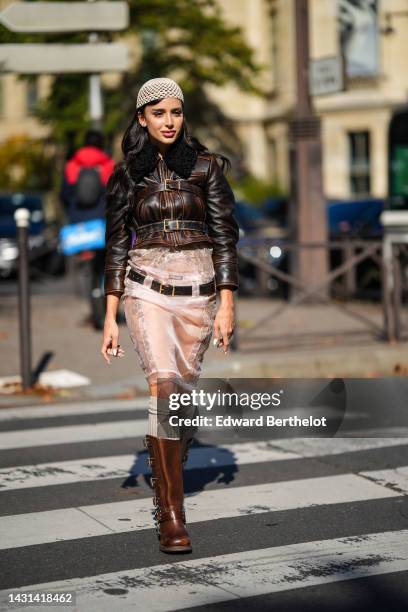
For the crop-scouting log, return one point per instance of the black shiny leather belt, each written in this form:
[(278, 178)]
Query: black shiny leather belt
[(171, 225), (204, 289)]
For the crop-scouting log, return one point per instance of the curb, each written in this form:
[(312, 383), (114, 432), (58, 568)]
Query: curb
[(367, 362)]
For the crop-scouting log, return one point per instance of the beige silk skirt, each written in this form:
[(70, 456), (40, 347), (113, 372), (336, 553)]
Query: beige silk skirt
[(170, 333)]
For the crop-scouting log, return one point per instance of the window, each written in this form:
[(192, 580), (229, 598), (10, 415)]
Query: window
[(272, 159), (359, 37), (359, 155), (32, 95)]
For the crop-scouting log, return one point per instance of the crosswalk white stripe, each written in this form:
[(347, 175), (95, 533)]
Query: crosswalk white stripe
[(73, 523), (238, 575), (72, 409), (98, 468), (68, 434), (64, 434), (245, 453), (315, 447), (396, 479)]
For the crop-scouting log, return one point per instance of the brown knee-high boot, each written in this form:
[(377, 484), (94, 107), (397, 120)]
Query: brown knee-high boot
[(167, 481)]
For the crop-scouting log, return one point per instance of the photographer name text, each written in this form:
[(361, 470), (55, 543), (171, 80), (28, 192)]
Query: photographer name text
[(259, 421)]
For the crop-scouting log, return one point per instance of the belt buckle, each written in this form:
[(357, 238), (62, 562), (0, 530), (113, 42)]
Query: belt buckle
[(178, 181), (173, 288), (169, 230)]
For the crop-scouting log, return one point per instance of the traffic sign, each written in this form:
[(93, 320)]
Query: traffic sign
[(60, 58), (326, 76), (65, 16)]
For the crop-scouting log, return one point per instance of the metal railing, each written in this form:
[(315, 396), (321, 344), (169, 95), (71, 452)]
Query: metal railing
[(354, 252)]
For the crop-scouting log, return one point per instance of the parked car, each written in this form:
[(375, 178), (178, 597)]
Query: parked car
[(358, 220), (256, 232), (355, 218), (42, 237), (264, 231)]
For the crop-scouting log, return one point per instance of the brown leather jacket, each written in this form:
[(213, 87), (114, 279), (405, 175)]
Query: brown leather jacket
[(203, 195)]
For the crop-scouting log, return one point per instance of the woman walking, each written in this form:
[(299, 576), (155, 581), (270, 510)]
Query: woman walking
[(171, 237)]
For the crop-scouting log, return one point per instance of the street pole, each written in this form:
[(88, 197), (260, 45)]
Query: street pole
[(307, 212), (22, 219), (95, 92)]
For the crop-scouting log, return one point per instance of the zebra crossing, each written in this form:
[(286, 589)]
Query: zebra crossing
[(267, 518)]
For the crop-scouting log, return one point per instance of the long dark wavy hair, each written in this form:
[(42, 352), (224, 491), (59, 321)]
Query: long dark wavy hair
[(135, 138)]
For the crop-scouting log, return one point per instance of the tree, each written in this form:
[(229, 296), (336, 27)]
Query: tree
[(184, 37)]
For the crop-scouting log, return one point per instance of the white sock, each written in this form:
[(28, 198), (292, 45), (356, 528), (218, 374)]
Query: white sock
[(158, 424)]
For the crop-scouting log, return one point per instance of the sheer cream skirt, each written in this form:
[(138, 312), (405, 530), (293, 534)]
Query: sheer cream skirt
[(169, 333)]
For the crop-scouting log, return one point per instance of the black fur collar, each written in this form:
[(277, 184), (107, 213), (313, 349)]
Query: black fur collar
[(180, 157)]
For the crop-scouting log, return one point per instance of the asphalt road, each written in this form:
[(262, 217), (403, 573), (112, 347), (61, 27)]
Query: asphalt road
[(276, 524)]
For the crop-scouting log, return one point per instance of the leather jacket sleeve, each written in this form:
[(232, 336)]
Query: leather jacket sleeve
[(118, 235), (223, 226)]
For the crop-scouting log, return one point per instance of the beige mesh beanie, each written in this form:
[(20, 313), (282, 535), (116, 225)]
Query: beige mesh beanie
[(155, 89)]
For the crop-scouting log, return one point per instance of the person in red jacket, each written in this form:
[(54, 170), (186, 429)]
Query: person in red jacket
[(83, 192), (87, 172)]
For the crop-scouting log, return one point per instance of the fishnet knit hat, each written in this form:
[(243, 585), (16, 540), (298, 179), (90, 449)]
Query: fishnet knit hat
[(155, 89)]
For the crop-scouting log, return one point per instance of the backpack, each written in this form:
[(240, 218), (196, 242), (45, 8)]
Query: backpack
[(89, 188)]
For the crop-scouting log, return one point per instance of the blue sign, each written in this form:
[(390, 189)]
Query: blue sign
[(83, 236)]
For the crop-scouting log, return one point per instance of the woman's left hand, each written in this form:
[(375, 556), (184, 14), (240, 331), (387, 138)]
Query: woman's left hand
[(224, 322)]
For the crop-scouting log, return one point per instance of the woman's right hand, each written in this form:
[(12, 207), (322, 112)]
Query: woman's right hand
[(110, 344)]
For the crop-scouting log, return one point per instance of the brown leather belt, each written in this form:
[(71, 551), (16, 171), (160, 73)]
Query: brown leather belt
[(171, 225), (204, 289), (170, 185)]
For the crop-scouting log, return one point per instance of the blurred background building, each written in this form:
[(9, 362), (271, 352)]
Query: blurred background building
[(241, 66), (370, 36)]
